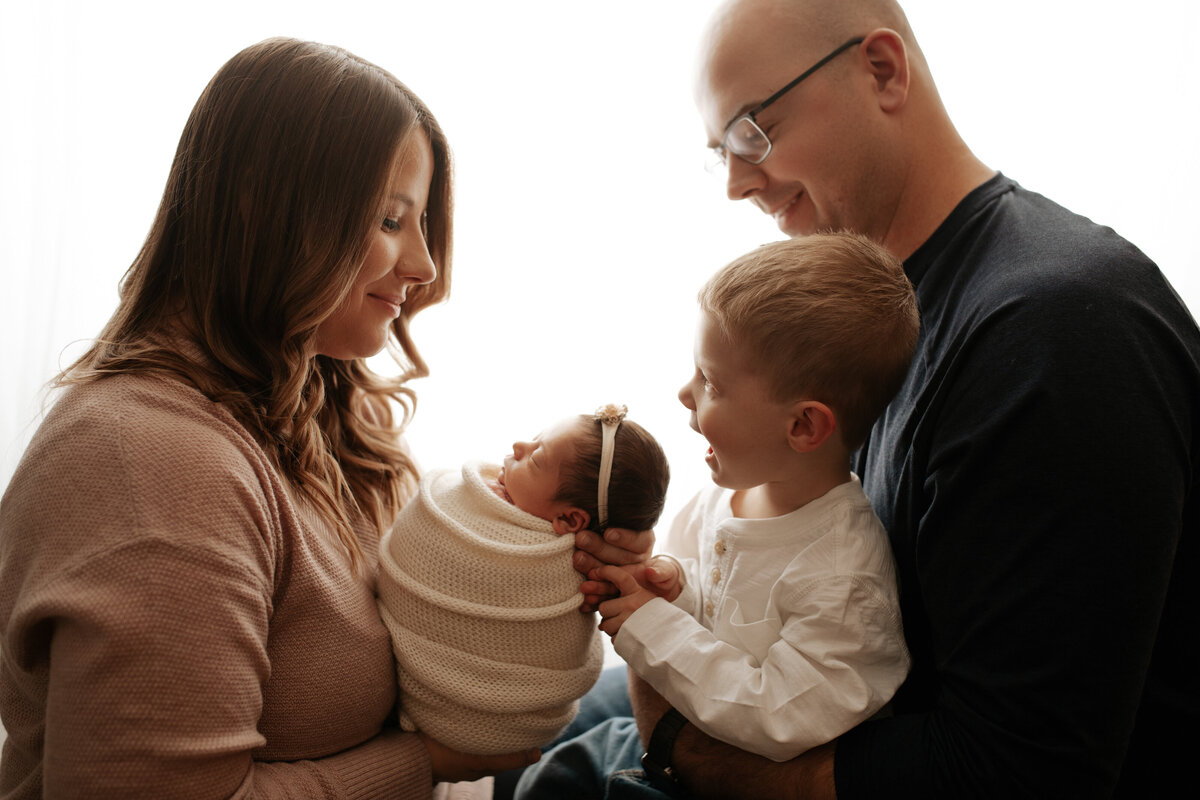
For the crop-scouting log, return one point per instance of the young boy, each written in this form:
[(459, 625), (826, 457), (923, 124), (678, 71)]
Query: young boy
[(778, 627)]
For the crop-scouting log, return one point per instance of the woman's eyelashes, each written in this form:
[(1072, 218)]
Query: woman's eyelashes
[(391, 224)]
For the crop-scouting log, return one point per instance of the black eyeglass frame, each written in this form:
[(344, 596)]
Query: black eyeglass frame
[(751, 115)]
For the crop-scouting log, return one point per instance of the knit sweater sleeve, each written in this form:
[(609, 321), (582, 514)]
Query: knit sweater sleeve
[(140, 562)]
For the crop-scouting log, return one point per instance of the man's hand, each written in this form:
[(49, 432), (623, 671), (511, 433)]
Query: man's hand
[(709, 769), (618, 546)]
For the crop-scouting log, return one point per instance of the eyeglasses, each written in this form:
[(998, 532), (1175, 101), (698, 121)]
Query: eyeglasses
[(744, 138)]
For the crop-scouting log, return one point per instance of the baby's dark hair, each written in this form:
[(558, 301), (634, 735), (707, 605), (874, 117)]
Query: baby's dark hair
[(637, 489)]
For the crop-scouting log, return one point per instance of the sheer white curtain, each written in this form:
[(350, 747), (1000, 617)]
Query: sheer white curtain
[(585, 221)]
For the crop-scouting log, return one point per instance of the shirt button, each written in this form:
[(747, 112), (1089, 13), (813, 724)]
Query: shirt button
[(709, 608), (719, 547), (716, 576)]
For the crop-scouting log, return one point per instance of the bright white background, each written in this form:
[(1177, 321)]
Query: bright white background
[(585, 220)]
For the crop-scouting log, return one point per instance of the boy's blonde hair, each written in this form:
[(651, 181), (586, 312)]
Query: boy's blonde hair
[(828, 317)]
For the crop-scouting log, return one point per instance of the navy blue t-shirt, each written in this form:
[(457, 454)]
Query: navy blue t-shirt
[(1038, 475)]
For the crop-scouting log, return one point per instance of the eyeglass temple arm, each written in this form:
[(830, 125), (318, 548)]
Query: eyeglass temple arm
[(807, 72)]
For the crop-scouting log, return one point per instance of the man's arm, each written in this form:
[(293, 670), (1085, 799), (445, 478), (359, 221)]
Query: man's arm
[(708, 768)]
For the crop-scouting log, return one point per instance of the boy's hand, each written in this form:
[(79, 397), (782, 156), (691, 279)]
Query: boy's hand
[(618, 546), (662, 576), (638, 585)]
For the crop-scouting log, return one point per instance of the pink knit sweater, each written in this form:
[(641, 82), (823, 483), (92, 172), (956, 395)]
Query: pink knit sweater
[(175, 624)]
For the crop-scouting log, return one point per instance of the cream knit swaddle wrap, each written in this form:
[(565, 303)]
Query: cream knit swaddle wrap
[(482, 604)]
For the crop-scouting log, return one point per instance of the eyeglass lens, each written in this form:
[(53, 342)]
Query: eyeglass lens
[(746, 140), (743, 139)]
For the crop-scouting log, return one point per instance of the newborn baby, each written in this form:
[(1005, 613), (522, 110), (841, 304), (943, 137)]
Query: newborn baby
[(477, 589)]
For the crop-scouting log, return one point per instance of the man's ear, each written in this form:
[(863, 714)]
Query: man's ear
[(813, 423), (572, 520), (888, 60)]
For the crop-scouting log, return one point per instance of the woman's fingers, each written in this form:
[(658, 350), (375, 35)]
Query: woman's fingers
[(617, 546)]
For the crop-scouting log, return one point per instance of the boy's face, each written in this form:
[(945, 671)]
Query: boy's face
[(532, 472), (731, 407)]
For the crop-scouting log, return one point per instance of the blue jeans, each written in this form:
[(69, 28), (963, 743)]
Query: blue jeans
[(598, 757)]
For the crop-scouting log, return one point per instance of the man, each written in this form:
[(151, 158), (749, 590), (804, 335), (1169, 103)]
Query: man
[(1037, 472)]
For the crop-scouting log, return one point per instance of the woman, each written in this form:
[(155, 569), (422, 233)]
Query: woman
[(188, 549)]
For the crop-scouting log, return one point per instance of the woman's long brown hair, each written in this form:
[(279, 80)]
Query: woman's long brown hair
[(278, 182)]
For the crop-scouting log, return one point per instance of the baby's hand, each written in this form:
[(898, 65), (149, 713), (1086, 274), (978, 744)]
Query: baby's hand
[(638, 585)]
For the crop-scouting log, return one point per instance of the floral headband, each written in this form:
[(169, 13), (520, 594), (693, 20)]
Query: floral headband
[(609, 417)]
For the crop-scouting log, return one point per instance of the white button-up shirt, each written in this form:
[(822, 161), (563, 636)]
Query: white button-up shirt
[(787, 633)]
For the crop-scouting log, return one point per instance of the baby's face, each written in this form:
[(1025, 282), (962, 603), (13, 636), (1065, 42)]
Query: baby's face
[(532, 473)]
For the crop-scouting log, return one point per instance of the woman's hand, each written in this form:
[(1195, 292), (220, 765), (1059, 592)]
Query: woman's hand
[(618, 546), (452, 766)]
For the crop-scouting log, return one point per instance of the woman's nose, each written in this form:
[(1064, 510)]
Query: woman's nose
[(418, 266)]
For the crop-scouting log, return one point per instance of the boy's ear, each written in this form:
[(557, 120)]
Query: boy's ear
[(572, 520), (813, 423)]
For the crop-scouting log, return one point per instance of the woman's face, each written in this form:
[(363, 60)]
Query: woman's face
[(398, 258)]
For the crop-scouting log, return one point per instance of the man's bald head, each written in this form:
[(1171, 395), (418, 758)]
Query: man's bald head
[(832, 19), (743, 32), (863, 144)]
